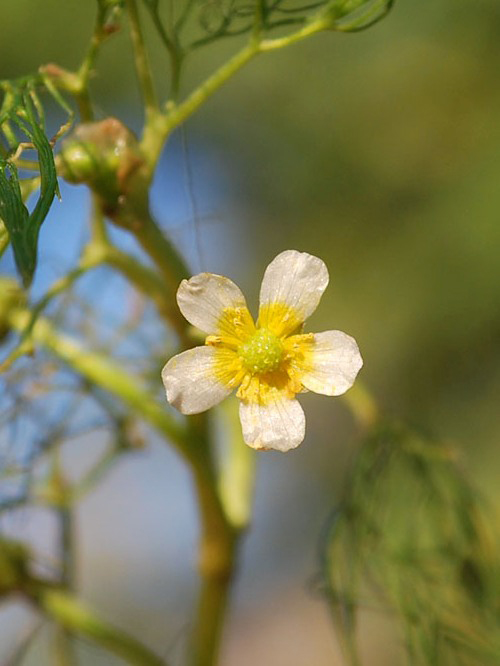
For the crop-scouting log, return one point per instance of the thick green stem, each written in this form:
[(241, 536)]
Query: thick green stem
[(133, 214), (212, 606), (97, 223), (216, 564), (161, 251)]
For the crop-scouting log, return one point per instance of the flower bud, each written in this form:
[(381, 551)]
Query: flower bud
[(104, 155)]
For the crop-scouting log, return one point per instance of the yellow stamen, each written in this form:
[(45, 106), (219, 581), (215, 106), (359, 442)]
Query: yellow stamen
[(280, 318)]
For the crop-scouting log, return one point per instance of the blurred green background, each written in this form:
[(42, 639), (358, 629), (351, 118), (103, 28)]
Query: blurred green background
[(380, 153)]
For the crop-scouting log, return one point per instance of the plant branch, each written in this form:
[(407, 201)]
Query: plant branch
[(223, 524), (176, 114), (216, 565), (181, 112)]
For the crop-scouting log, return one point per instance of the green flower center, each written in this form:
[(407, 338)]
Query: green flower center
[(262, 352)]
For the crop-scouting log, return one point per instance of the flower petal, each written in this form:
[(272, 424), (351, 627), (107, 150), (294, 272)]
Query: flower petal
[(331, 363), (206, 299), (279, 425), (192, 381), (291, 290)]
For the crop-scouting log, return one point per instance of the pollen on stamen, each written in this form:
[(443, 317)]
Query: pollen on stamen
[(262, 352)]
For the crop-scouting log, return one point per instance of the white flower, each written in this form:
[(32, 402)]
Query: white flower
[(270, 361)]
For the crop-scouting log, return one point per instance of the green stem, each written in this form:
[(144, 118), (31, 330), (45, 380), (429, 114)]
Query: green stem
[(149, 283), (133, 214), (162, 126), (178, 114), (217, 564), (84, 73), (172, 269), (320, 24), (218, 552), (98, 228), (75, 617), (142, 65), (211, 611), (160, 249), (157, 132)]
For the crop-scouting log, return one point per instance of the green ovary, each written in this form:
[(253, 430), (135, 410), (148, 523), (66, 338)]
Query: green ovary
[(262, 352)]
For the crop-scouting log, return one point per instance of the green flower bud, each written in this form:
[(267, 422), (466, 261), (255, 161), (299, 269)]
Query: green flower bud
[(104, 155)]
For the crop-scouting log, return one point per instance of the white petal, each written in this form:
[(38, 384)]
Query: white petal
[(295, 279), (332, 364), (191, 381), (279, 425), (203, 298)]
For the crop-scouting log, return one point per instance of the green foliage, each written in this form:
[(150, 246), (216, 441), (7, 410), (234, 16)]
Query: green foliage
[(211, 20), (22, 108), (411, 538), (356, 15)]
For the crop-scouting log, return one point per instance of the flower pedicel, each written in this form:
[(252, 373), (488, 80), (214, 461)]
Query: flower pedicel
[(270, 361)]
